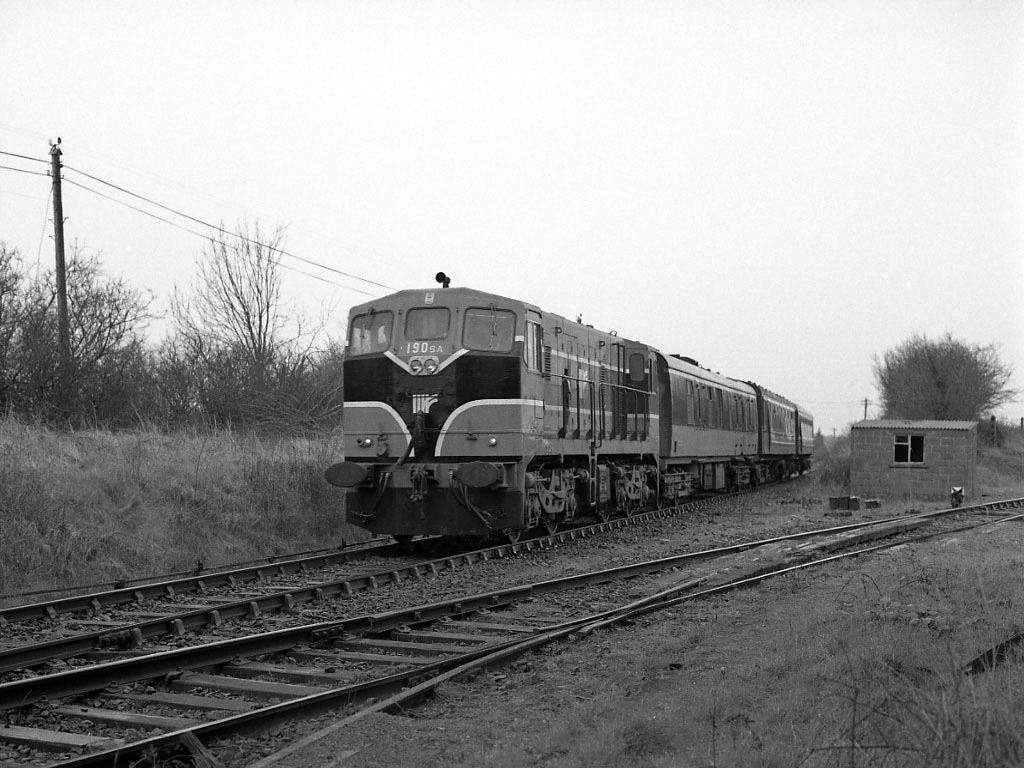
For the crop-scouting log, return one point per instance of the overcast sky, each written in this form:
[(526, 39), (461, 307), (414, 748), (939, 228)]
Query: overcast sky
[(781, 190)]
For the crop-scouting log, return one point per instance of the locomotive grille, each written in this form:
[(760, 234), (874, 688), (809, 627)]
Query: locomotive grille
[(422, 403)]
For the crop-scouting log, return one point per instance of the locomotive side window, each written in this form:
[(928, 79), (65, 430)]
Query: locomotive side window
[(370, 333), (691, 403), (637, 374), (488, 330), (533, 348), (425, 323)]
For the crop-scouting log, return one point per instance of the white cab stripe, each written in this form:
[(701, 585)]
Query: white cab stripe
[(387, 409), (520, 401)]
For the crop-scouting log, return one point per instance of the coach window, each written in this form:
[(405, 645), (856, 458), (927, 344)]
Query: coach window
[(370, 333), (488, 330), (533, 348), (427, 323), (908, 449)]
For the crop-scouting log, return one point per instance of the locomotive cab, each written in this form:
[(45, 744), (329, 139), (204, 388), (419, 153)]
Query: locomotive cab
[(432, 383)]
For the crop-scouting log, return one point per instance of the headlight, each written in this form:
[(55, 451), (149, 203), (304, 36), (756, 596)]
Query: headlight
[(416, 365), (430, 365)]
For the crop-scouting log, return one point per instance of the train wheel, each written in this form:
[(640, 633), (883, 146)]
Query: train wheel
[(550, 523), (603, 513), (513, 535)]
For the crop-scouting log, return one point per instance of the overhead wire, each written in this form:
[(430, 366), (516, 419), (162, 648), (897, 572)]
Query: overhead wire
[(196, 220), (176, 225), (23, 170), (24, 157), (222, 230)]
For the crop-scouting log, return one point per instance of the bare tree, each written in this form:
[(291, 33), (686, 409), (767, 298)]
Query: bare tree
[(240, 351), (236, 300), (10, 317), (107, 318), (943, 379)]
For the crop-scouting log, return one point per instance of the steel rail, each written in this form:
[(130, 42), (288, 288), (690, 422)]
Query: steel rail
[(256, 572), (89, 678), (133, 634), (180, 585), (410, 690), (175, 625)]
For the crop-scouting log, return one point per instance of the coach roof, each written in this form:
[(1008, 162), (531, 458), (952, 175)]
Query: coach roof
[(689, 367)]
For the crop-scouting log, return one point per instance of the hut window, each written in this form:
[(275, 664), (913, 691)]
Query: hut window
[(908, 449)]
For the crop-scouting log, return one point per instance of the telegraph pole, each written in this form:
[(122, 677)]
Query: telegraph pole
[(63, 332), (865, 409)]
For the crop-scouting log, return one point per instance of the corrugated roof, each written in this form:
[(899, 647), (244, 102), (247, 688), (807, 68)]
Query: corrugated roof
[(930, 424)]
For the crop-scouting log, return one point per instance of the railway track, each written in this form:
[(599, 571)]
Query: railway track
[(205, 693), (171, 610), (197, 583)]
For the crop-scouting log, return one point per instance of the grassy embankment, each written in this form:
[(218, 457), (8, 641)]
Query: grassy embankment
[(93, 506)]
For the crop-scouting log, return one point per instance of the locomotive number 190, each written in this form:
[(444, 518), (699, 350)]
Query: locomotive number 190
[(422, 348)]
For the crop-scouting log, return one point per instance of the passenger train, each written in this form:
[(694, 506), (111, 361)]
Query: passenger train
[(472, 414)]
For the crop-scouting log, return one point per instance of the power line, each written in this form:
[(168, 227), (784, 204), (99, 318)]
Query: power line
[(225, 231), (176, 225), (22, 170), (195, 220), (24, 157)]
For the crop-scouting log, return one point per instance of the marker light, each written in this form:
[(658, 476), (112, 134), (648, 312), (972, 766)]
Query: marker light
[(493, 441)]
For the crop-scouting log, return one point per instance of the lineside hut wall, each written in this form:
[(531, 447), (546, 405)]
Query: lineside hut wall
[(918, 459)]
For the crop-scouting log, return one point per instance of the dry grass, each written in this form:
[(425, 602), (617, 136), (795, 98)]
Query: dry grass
[(96, 506), (863, 670)]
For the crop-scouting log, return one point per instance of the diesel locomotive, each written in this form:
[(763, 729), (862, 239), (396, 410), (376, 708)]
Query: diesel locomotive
[(472, 414)]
